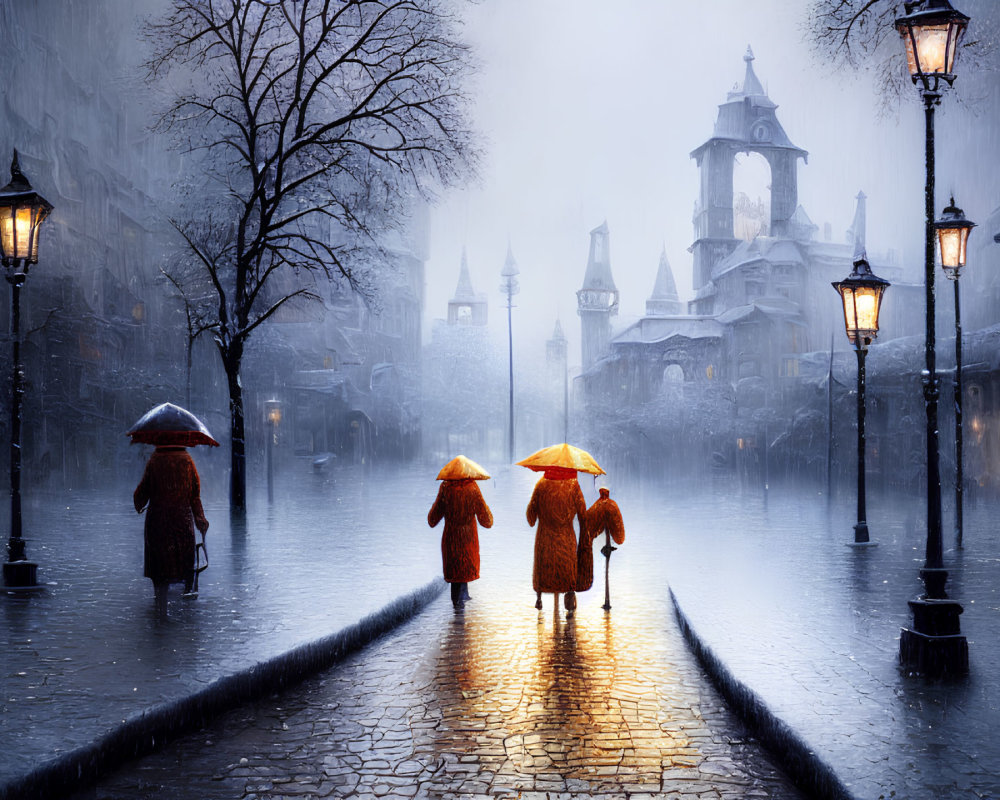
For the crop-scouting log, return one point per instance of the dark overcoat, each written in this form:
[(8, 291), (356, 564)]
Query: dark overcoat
[(603, 516), (460, 504), (171, 487), (554, 504)]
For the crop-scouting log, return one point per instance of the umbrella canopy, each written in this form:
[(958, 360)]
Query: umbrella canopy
[(170, 425), (460, 468), (562, 456)]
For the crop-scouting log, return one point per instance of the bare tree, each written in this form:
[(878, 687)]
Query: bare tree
[(313, 126), (861, 35)]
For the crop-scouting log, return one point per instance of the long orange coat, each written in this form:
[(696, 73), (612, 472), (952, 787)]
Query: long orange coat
[(171, 486), (603, 516), (460, 504), (554, 503)]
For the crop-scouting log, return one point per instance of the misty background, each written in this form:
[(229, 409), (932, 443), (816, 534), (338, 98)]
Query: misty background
[(584, 112), (591, 111)]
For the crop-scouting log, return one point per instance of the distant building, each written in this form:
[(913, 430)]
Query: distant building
[(762, 294), (467, 307)]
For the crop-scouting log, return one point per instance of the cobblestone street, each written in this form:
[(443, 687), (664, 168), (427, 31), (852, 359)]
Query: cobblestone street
[(500, 700)]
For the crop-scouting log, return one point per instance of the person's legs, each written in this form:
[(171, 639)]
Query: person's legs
[(538, 602), (569, 599), (456, 595), (465, 592), (160, 597)]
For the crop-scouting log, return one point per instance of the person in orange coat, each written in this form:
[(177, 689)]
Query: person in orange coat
[(603, 516), (460, 504), (171, 487), (556, 500)]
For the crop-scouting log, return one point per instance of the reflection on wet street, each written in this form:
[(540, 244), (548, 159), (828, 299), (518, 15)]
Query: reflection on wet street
[(500, 700)]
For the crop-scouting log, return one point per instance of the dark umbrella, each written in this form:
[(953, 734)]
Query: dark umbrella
[(169, 425)]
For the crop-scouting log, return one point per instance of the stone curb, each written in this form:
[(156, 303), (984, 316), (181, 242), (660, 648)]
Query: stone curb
[(144, 731), (809, 772)]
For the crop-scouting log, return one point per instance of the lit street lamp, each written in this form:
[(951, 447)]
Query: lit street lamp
[(510, 286), (272, 416), (861, 293), (953, 235), (22, 211), (934, 646)]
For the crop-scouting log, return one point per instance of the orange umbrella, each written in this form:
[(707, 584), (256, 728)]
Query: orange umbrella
[(461, 468), (563, 456)]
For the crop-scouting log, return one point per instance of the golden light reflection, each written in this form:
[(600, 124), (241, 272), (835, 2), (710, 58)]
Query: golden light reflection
[(542, 703)]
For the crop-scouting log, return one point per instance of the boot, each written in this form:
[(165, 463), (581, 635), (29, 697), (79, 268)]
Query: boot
[(569, 600), (457, 599), (538, 602)]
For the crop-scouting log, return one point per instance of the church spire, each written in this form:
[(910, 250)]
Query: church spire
[(466, 307), (664, 300), (751, 83), (856, 233), (464, 289)]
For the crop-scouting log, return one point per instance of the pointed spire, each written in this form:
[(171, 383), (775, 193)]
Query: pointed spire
[(856, 233), (557, 334), (751, 83), (464, 290), (510, 264), (664, 300)]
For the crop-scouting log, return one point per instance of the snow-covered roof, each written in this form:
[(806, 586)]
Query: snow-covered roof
[(650, 330)]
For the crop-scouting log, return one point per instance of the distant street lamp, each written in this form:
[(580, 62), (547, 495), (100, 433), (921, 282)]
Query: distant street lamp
[(931, 32), (272, 416), (953, 235), (510, 286), (861, 293), (22, 211)]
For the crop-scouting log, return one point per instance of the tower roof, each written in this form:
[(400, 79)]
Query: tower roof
[(748, 116), (598, 275), (557, 333), (856, 233), (510, 264), (664, 299), (464, 289), (665, 288), (751, 83)]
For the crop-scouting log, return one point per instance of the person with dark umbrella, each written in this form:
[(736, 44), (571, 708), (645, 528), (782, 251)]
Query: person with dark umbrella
[(170, 493)]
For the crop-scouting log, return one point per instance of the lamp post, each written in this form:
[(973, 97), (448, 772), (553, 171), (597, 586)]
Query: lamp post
[(272, 416), (861, 293), (953, 235), (509, 285), (22, 211), (934, 646)]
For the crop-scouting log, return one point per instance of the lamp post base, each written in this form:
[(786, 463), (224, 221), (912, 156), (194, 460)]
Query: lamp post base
[(21, 576), (935, 647), (861, 537)]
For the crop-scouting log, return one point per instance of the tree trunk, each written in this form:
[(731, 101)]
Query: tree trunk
[(232, 359)]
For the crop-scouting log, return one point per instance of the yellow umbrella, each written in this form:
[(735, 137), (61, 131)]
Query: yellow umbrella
[(460, 468), (564, 456)]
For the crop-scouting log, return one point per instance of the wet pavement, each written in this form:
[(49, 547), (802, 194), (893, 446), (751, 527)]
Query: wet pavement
[(497, 701), (805, 625)]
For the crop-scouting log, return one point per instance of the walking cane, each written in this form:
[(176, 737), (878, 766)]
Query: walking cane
[(607, 550), (200, 551)]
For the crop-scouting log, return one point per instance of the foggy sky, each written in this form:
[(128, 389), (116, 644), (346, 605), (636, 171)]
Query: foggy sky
[(590, 112)]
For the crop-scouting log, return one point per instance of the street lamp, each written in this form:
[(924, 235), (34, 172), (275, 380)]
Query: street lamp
[(931, 31), (510, 286), (272, 416), (22, 211), (953, 236), (861, 293)]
